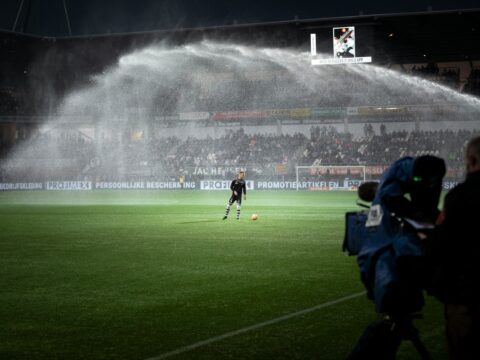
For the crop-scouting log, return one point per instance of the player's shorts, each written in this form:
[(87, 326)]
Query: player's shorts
[(237, 198)]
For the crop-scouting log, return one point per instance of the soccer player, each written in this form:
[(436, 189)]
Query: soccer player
[(237, 186)]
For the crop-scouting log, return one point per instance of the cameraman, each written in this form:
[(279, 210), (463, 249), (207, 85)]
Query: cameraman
[(453, 249), (391, 261)]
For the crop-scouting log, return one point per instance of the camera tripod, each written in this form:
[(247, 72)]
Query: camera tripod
[(403, 327), (382, 338)]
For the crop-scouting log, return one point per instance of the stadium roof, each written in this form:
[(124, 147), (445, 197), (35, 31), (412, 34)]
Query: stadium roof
[(64, 18)]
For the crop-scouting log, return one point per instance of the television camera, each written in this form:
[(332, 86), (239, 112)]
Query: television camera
[(384, 237)]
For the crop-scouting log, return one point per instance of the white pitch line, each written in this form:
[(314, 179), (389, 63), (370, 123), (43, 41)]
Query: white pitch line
[(254, 327)]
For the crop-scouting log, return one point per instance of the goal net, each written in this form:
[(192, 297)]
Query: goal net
[(330, 177)]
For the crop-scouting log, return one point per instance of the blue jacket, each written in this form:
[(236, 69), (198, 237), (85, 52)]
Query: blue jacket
[(391, 257)]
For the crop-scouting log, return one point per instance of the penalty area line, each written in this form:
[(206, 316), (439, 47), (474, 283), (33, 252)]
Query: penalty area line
[(254, 327)]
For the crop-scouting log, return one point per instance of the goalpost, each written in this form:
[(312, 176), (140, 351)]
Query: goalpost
[(355, 172)]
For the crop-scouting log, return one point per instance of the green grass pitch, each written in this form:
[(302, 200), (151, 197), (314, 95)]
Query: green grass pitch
[(136, 274)]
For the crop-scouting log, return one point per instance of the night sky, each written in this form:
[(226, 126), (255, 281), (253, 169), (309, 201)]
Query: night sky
[(47, 17)]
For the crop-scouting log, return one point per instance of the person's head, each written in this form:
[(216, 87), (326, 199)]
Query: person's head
[(428, 170), (472, 155), (241, 175), (426, 182)]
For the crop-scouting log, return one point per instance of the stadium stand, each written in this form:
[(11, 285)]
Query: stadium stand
[(166, 158)]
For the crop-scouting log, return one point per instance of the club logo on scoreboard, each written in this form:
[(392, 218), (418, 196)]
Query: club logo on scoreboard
[(344, 48), (344, 42)]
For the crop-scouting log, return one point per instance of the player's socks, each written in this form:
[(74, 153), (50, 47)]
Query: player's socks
[(238, 212), (227, 211)]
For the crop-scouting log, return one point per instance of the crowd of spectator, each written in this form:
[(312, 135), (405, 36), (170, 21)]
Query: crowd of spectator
[(73, 156), (329, 147)]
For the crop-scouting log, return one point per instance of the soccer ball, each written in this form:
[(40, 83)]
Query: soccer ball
[(254, 217)]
